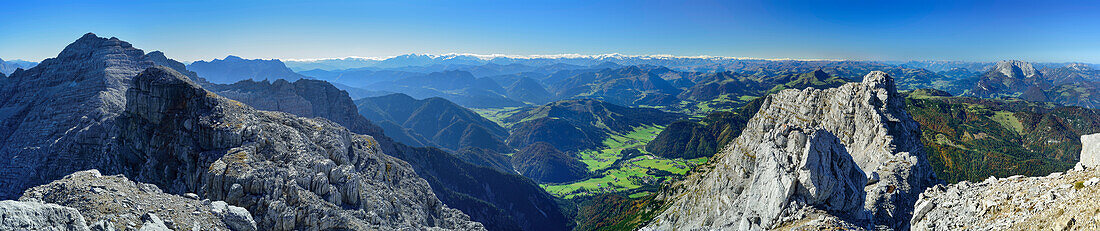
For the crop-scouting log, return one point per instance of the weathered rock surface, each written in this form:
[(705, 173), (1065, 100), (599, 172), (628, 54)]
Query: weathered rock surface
[(57, 117), (122, 202), (759, 186), (867, 119), (22, 215), (1060, 201), (278, 166), (1090, 151), (90, 108)]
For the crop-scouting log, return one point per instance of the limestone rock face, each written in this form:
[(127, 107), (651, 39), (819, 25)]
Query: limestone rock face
[(290, 172), (56, 118), (304, 97), (758, 186), (868, 120), (1090, 151), (22, 215), (1060, 201)]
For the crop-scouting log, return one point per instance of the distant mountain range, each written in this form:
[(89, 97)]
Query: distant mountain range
[(433, 122), (9, 66), (233, 69), (574, 125)]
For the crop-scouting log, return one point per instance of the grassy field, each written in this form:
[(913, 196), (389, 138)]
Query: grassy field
[(628, 174), (496, 115), (1008, 120), (724, 102)]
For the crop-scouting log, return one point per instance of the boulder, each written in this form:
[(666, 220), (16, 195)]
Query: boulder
[(1090, 151), (24, 215)]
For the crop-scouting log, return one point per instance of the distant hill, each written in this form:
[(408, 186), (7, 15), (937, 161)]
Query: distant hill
[(7, 67), (689, 139), (971, 139), (358, 77), (573, 125), (816, 79), (456, 86), (544, 163), (528, 90), (440, 122), (711, 86), (1072, 73), (233, 69), (487, 158), (630, 86)]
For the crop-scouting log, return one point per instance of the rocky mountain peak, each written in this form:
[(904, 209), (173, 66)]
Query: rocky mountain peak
[(872, 128), (820, 74), (1017, 69), (58, 113), (1079, 66)]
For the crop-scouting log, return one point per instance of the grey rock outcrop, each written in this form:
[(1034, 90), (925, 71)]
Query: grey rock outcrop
[(278, 166), (759, 186), (22, 215), (868, 120), (1090, 151), (1060, 201), (122, 202), (90, 109), (153, 223), (236, 218)]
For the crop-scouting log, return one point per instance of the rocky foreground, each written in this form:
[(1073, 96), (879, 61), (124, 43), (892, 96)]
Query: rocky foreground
[(1060, 201), (115, 202)]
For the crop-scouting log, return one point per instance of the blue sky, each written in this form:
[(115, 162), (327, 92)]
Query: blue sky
[(1043, 31)]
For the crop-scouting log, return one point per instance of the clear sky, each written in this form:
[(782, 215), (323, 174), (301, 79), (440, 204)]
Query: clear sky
[(865, 30)]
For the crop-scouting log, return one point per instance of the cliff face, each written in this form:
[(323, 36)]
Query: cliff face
[(304, 97), (56, 118), (861, 125), (1060, 201), (280, 167), (90, 108), (1010, 78)]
